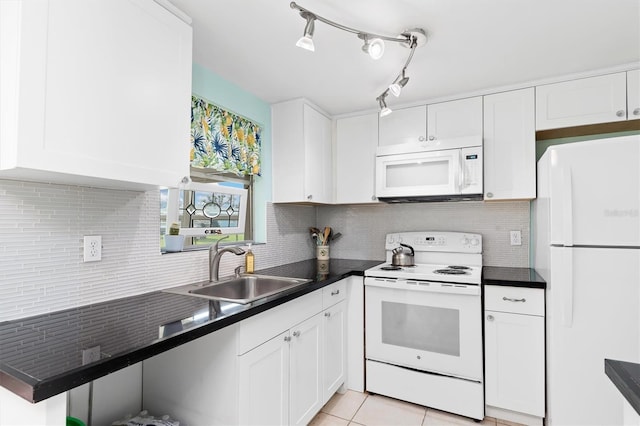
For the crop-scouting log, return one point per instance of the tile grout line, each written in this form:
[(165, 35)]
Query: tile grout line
[(359, 407)]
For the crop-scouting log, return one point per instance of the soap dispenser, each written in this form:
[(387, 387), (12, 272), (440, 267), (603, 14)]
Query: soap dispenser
[(249, 261)]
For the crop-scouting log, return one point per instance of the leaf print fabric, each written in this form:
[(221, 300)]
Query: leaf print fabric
[(223, 141)]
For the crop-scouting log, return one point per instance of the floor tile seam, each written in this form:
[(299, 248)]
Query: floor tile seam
[(359, 408)]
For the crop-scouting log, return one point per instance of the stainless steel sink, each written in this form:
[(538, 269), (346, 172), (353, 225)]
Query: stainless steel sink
[(244, 289)]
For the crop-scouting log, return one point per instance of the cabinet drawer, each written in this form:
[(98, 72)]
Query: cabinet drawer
[(529, 301), (259, 328), (334, 293)]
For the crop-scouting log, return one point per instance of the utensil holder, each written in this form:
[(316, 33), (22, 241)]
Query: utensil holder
[(322, 252)]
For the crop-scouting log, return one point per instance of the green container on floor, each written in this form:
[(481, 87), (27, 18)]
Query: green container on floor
[(72, 421)]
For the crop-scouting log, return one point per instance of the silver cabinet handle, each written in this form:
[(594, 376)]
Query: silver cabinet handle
[(490, 318), (333, 293), (309, 197), (373, 198), (421, 138), (296, 334), (508, 299), (287, 338), (327, 314), (620, 113), (636, 111), (489, 194), (432, 138)]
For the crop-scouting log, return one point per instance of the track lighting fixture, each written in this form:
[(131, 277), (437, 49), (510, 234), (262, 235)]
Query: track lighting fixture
[(373, 45), (306, 41)]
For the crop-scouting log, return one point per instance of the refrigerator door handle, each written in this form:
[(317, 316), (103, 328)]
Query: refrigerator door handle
[(567, 213), (567, 300)]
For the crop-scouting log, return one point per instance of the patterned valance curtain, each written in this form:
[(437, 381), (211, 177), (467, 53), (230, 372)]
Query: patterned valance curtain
[(223, 141)]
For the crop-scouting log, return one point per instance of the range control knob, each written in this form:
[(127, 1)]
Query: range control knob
[(475, 242), (465, 241)]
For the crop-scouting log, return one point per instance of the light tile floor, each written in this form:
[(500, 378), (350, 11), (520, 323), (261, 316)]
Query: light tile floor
[(355, 408)]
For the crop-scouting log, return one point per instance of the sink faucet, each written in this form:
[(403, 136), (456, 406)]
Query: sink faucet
[(215, 255)]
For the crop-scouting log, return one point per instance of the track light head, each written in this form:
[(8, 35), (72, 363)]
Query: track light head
[(396, 87), (384, 109), (306, 41), (374, 47)]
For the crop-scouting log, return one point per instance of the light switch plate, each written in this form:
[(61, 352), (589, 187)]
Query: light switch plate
[(92, 248)]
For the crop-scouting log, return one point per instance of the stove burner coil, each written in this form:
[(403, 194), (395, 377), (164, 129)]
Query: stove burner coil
[(390, 268)]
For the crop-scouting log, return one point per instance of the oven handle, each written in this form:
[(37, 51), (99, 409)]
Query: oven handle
[(423, 286)]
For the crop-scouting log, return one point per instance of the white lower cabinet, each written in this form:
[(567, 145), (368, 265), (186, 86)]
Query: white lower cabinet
[(264, 383), (280, 381), (334, 344), (515, 351), (305, 371)]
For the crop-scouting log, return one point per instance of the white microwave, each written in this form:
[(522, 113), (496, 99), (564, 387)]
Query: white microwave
[(450, 171)]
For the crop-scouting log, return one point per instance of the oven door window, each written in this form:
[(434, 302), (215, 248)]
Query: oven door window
[(427, 328)]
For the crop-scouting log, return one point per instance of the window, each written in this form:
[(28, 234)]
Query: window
[(225, 150), (206, 212)]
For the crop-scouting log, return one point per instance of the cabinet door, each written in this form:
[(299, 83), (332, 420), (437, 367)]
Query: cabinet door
[(510, 145), (334, 349), (318, 182), (633, 95), (264, 383), (514, 362), (455, 119), (99, 103), (408, 125), (356, 143), (306, 368), (578, 102)]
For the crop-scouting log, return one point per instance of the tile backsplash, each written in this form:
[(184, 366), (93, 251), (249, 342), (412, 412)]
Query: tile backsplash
[(42, 228)]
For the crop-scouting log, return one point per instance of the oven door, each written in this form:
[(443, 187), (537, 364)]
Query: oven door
[(429, 326)]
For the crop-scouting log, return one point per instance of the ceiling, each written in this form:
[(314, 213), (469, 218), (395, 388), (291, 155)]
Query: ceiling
[(472, 46)]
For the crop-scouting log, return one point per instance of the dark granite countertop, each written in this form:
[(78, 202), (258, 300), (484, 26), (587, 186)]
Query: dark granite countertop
[(41, 356), (515, 277), (626, 377)]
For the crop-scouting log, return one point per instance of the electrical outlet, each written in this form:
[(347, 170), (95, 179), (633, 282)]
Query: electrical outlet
[(516, 238), (92, 248), (90, 355)]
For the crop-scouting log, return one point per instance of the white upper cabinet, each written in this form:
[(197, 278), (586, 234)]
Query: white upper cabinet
[(356, 143), (408, 125), (591, 100), (302, 163), (509, 145), (633, 95), (454, 119), (94, 93)]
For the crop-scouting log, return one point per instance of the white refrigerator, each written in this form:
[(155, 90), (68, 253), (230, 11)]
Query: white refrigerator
[(587, 248)]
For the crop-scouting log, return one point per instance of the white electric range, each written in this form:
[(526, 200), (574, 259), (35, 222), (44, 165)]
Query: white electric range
[(424, 323)]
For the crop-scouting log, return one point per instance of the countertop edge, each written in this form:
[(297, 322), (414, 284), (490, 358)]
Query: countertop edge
[(624, 381)]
